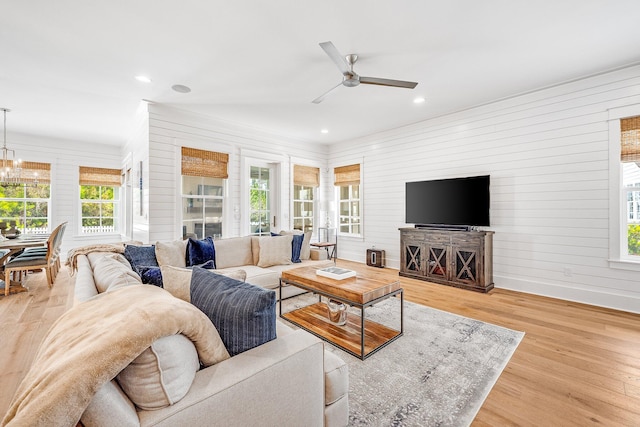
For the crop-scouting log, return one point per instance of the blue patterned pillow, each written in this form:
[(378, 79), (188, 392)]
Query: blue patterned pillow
[(200, 251), (243, 314), (141, 255), (150, 275), (296, 246)]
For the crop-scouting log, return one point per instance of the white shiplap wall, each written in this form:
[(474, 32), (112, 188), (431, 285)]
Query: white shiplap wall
[(65, 158), (170, 129), (547, 154)]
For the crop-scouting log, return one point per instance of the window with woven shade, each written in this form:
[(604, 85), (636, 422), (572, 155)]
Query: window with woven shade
[(306, 179), (347, 182), (204, 175), (99, 199), (630, 162), (26, 201)]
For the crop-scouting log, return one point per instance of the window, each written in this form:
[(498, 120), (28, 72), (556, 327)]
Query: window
[(25, 205), (347, 181), (630, 167), (305, 181), (204, 175), (260, 199), (99, 200)]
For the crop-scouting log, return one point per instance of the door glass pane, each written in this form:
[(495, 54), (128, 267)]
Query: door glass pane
[(259, 201)]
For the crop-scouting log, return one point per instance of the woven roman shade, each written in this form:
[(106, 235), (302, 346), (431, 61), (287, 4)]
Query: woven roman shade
[(347, 175), (30, 169), (630, 139), (204, 163), (306, 175), (100, 176)]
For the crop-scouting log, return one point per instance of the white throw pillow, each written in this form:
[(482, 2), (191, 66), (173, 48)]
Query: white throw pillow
[(177, 281), (233, 252), (275, 250), (172, 253), (162, 374), (110, 273)]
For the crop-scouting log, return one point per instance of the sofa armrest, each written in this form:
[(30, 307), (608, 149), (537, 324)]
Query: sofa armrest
[(278, 383)]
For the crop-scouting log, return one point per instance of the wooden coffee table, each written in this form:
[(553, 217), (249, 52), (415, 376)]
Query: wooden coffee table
[(359, 337)]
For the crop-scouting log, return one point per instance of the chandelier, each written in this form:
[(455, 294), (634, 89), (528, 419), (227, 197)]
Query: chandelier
[(10, 168)]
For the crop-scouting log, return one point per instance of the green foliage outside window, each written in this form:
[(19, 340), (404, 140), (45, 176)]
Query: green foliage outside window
[(27, 205), (633, 238), (98, 206)]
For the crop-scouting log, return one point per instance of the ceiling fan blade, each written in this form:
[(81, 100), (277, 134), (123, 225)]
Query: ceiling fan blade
[(387, 82), (336, 57), (319, 99)]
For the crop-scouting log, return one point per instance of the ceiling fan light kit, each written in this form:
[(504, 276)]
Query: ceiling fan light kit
[(350, 78)]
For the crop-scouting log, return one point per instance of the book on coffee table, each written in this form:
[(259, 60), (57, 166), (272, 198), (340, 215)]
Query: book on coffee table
[(336, 273)]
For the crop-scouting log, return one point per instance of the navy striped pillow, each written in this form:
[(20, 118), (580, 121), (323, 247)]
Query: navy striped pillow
[(243, 314)]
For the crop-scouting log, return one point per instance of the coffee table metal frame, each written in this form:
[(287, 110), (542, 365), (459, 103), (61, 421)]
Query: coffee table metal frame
[(320, 294)]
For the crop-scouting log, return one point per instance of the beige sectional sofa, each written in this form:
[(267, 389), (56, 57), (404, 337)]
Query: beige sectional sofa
[(248, 253), (289, 381)]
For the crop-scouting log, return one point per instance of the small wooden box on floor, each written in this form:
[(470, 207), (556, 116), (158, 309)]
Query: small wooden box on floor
[(375, 258)]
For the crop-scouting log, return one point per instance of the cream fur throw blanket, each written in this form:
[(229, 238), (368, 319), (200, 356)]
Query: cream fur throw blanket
[(91, 343)]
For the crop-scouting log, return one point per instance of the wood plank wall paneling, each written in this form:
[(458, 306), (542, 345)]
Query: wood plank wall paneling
[(547, 154), (170, 129), (65, 158)]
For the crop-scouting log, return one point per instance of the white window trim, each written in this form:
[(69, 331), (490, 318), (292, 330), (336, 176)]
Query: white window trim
[(617, 259), (318, 199), (336, 214), (117, 213)]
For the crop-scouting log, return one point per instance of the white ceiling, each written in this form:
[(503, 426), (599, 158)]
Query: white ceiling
[(67, 66)]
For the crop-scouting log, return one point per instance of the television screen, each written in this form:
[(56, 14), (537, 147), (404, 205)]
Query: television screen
[(456, 202)]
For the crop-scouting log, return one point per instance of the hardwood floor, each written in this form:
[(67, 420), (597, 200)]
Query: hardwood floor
[(577, 364)]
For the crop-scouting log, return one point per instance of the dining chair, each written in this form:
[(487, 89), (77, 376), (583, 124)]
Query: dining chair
[(49, 260)]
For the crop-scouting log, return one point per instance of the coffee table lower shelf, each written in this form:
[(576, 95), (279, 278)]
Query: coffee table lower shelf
[(313, 319)]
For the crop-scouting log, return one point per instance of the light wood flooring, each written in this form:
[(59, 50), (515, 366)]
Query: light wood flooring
[(577, 365)]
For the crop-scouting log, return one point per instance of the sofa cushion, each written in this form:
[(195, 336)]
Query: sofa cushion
[(233, 252), (162, 374), (109, 274), (243, 314), (336, 378), (296, 246), (172, 253), (200, 251), (275, 250), (150, 275), (141, 256), (177, 281), (305, 250)]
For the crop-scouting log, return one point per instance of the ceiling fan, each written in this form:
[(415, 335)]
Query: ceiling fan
[(350, 78)]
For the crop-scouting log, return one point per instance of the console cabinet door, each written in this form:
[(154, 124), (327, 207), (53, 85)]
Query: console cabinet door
[(438, 261), (412, 257), (465, 265)]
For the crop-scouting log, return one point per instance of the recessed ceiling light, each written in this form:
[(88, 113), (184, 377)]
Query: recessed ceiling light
[(181, 88), (419, 100), (324, 131), (143, 79)]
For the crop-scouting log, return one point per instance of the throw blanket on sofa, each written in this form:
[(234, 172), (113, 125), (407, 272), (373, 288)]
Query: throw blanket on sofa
[(91, 343), (72, 255)]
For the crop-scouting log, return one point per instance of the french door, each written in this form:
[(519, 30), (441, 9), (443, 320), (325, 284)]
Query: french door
[(262, 199)]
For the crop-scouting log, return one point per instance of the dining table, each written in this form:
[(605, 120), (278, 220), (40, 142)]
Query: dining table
[(9, 247)]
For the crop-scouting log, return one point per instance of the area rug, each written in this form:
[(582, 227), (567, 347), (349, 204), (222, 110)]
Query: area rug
[(437, 374)]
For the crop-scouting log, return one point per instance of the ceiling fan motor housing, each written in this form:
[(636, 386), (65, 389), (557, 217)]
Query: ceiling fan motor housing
[(351, 80)]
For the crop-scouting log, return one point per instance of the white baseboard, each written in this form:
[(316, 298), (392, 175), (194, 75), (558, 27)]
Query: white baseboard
[(569, 293)]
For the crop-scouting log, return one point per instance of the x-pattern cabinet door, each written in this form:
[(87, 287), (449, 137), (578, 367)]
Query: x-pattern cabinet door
[(413, 257), (465, 265), (437, 261)]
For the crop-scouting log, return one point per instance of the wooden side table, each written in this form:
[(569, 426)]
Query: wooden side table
[(329, 247)]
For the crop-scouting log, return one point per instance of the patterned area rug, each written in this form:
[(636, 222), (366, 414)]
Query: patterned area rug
[(437, 374)]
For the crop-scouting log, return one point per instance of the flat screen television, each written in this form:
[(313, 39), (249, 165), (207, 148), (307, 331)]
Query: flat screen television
[(457, 202)]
